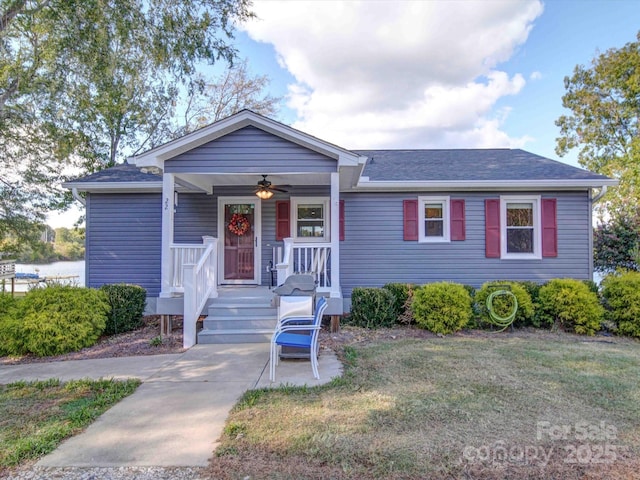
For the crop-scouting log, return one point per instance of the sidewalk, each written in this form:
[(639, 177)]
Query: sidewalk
[(176, 416)]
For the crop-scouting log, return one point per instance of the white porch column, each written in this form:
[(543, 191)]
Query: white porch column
[(166, 268), (335, 235)]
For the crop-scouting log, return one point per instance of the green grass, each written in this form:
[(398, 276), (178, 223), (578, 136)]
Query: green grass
[(409, 408), (36, 416)]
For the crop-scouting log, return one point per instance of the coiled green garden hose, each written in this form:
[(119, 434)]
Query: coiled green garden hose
[(496, 319)]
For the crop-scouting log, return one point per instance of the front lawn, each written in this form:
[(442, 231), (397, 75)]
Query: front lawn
[(36, 416), (493, 406)]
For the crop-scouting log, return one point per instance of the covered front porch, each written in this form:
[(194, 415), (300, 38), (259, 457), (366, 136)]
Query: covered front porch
[(248, 202)]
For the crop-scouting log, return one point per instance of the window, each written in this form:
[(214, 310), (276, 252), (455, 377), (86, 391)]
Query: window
[(520, 232), (310, 219), (434, 219)]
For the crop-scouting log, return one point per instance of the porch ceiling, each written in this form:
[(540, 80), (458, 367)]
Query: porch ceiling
[(207, 181)]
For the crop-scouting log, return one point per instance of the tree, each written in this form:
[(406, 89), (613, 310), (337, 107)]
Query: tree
[(604, 101), (222, 96), (616, 243), (82, 81)]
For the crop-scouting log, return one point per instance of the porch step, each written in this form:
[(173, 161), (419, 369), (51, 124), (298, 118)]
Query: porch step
[(246, 320)]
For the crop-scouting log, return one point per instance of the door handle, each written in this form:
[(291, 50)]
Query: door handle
[(256, 242)]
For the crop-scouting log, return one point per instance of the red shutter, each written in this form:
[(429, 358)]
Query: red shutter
[(458, 230), (549, 228), (492, 228), (341, 220), (283, 229), (410, 210)]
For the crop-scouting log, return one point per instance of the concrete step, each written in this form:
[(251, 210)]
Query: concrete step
[(246, 310), (239, 322), (235, 336)]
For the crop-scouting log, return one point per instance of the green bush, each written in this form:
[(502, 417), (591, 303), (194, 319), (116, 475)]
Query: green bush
[(622, 296), (10, 339), (571, 304), (401, 292), (503, 305), (127, 306), (56, 320), (533, 289), (372, 308), (442, 307)]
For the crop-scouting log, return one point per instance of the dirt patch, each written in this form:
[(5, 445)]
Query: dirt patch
[(349, 335), (144, 341)]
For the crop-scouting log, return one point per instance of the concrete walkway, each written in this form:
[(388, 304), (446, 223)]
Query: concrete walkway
[(176, 416)]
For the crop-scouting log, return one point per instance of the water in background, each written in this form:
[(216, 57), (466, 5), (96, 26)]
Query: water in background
[(56, 269)]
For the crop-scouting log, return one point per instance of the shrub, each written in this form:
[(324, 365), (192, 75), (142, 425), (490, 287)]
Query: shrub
[(533, 289), (127, 306), (372, 308), (442, 307), (622, 296), (401, 292), (57, 320), (503, 305), (10, 339), (571, 304)]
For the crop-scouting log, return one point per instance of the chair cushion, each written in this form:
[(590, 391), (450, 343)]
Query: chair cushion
[(293, 340)]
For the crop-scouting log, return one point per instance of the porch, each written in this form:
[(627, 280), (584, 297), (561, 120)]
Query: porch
[(237, 313)]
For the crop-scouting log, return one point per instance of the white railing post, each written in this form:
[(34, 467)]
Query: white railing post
[(285, 268), (212, 274), (190, 300)]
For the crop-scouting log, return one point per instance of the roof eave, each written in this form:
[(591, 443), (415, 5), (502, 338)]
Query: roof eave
[(367, 185), (113, 187)]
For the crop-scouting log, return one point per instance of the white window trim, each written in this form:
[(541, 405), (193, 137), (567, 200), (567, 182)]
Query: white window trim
[(326, 202), (446, 220), (537, 227)]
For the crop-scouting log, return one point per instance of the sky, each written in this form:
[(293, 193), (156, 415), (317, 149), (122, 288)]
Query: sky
[(376, 74)]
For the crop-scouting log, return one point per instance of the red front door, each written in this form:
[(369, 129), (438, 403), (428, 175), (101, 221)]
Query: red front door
[(239, 241)]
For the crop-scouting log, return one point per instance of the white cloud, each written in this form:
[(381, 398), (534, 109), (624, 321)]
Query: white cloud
[(373, 74), (535, 76)]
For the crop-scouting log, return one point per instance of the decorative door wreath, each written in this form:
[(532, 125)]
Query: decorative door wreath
[(239, 224)]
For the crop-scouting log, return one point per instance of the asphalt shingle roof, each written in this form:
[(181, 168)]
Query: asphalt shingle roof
[(467, 165), (120, 173), (420, 165)]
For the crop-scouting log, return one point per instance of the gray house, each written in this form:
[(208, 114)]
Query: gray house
[(248, 200)]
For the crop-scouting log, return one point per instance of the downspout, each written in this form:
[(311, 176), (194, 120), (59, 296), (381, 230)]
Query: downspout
[(602, 193), (76, 195)]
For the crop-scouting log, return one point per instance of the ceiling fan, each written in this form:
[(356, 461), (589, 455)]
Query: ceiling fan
[(265, 190)]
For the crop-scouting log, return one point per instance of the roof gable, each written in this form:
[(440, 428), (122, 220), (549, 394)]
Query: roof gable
[(157, 156)]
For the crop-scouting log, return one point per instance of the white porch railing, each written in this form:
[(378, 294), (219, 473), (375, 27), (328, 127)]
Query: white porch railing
[(200, 284), (181, 255), (309, 258)]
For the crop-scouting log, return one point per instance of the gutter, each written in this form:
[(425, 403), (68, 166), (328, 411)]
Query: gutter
[(366, 185)]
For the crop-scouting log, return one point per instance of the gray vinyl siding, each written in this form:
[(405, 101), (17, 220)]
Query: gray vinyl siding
[(250, 150), (123, 240), (195, 216), (375, 253)]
